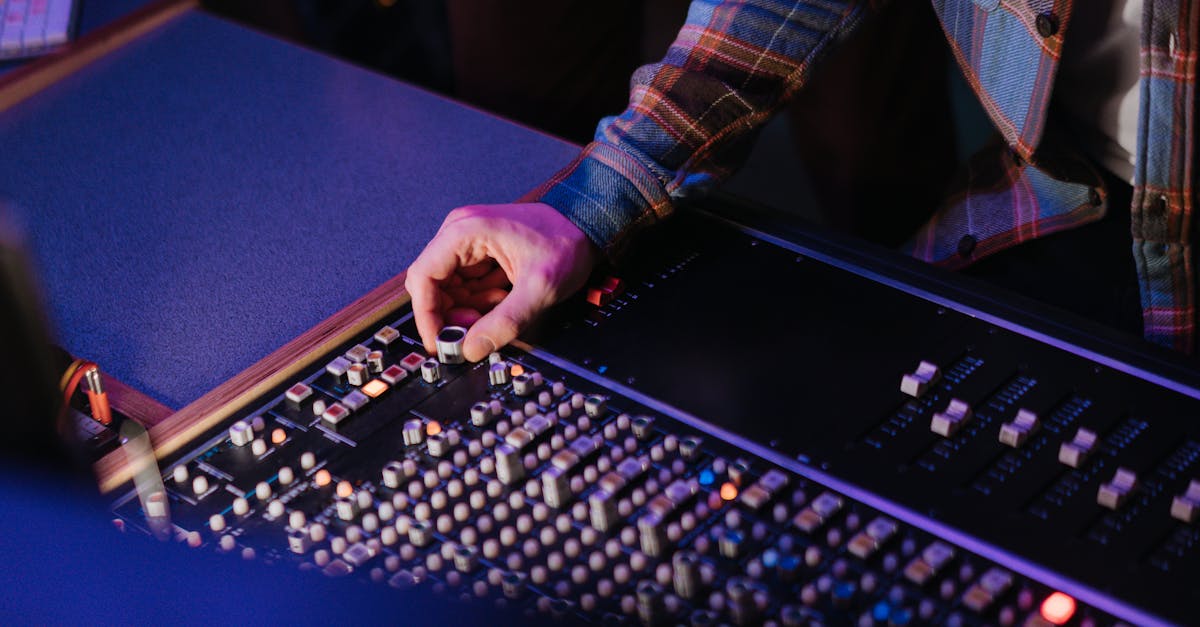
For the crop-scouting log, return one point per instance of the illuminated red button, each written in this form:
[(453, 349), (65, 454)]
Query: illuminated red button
[(599, 297), (336, 413), (394, 374), (1058, 608), (412, 362), (605, 291), (613, 285)]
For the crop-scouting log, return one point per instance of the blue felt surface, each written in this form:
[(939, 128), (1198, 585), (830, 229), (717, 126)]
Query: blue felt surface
[(208, 193)]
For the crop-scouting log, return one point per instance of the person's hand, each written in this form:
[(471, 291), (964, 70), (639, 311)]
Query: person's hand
[(494, 268)]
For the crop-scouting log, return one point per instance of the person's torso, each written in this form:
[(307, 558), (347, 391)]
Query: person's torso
[(1037, 181)]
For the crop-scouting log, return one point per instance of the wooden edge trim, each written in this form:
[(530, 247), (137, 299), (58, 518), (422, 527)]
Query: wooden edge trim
[(40, 74), (280, 366), (143, 409)]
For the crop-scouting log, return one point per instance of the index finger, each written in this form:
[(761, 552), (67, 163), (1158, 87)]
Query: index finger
[(444, 255), (426, 305), (435, 264)]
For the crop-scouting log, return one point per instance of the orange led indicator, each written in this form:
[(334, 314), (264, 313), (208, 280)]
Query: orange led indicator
[(322, 478), (728, 491), (517, 370), (344, 489), (374, 388), (1058, 608), (278, 436), (433, 428)]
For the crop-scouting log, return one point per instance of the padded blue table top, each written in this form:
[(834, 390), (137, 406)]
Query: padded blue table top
[(206, 194)]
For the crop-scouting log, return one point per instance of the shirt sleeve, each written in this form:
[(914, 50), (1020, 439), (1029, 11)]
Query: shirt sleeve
[(731, 66)]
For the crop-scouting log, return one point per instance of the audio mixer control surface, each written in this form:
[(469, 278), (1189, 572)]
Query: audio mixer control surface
[(683, 445)]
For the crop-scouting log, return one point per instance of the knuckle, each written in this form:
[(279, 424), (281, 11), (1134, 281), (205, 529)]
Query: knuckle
[(413, 290), (454, 232), (416, 275), (410, 280), (464, 212)]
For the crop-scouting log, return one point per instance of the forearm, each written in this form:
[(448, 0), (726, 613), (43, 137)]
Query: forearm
[(731, 66)]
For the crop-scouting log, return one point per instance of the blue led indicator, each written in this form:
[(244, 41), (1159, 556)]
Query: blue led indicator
[(707, 477)]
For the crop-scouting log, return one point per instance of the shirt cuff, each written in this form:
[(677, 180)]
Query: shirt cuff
[(608, 194)]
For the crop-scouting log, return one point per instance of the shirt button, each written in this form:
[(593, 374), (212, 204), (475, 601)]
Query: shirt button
[(1047, 24), (966, 246)]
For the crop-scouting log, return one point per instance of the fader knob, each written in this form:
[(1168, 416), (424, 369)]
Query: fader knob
[(1186, 506), (498, 373), (393, 474), (413, 433), (1115, 493), (241, 433), (595, 406), (523, 384), (685, 574), (375, 361), (741, 603), (481, 414), (466, 558), (730, 543), (431, 371), (947, 423), (450, 345), (299, 541), (650, 602), (347, 507)]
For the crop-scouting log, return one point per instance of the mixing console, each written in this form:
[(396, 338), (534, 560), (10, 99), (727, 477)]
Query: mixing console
[(685, 446)]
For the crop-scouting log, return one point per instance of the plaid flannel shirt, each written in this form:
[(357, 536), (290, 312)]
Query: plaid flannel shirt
[(735, 62)]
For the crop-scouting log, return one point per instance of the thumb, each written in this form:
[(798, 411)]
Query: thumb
[(502, 324)]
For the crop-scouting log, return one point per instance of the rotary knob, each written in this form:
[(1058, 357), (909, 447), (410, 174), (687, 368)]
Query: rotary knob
[(450, 345)]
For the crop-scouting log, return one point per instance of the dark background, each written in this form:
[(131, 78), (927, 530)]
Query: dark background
[(868, 148)]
